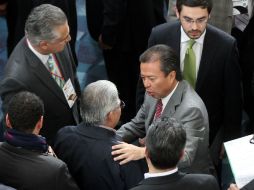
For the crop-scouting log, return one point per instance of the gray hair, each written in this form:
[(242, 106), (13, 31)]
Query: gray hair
[(97, 100), (42, 21)]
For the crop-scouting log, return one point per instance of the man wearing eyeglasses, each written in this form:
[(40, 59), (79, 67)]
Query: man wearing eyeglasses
[(212, 67)]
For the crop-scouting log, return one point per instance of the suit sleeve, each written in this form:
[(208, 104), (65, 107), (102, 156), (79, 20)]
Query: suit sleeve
[(64, 180), (194, 125), (113, 14), (9, 87), (136, 127), (233, 96)]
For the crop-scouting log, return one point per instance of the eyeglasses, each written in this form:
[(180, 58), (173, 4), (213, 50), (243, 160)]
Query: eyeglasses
[(199, 22), (122, 104)]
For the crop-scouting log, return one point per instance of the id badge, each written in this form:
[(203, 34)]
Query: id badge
[(69, 93)]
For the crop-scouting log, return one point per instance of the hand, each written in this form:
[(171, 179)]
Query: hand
[(102, 45), (127, 152), (233, 187)]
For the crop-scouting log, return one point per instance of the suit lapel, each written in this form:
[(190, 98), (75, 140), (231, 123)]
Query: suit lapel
[(206, 58), (174, 101), (40, 72)]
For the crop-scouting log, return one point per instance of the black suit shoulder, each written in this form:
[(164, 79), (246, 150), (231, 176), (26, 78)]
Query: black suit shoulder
[(178, 181)]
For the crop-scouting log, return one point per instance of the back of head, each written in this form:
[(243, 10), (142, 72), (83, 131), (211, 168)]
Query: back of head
[(42, 21), (97, 100), (169, 60), (165, 142), (25, 110), (194, 3)]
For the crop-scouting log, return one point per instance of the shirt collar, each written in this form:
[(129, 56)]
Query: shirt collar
[(166, 99), (185, 38), (148, 175), (43, 58), (108, 128)]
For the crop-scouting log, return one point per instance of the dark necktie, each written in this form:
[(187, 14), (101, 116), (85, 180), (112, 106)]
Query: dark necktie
[(158, 111), (189, 70)]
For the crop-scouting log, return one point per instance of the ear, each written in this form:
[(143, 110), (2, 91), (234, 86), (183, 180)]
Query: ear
[(181, 155), (7, 120), (177, 13), (146, 153), (39, 124), (172, 76)]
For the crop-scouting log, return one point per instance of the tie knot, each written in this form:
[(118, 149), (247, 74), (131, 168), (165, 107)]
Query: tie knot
[(191, 42)]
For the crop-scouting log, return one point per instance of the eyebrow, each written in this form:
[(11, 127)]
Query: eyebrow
[(186, 17)]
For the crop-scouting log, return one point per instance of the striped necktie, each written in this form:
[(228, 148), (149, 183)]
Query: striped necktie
[(158, 111), (189, 70), (54, 71)]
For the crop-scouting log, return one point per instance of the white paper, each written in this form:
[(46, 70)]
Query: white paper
[(241, 157)]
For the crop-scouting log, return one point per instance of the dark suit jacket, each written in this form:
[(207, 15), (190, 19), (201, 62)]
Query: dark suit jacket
[(249, 186), (124, 24), (178, 181), (187, 107), (246, 46), (25, 169), (87, 152), (218, 82), (24, 71)]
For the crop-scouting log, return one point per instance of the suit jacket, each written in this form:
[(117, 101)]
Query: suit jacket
[(186, 106), (25, 169), (89, 158), (24, 71), (222, 15), (124, 25), (178, 181), (249, 186), (218, 81)]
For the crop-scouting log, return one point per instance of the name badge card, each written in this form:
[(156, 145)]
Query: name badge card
[(69, 93)]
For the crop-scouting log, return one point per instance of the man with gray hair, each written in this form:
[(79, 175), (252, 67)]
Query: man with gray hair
[(165, 142), (86, 148), (42, 63)]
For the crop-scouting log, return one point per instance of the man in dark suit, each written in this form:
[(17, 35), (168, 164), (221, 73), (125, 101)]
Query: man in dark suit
[(26, 161), (86, 148), (122, 29), (165, 142), (217, 72), (42, 63), (164, 86)]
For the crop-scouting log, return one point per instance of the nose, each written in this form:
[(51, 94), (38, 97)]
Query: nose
[(194, 25), (146, 83)]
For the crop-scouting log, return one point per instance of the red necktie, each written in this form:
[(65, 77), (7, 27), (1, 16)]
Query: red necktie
[(158, 109)]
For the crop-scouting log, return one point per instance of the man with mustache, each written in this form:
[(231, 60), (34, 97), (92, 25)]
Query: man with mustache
[(215, 75)]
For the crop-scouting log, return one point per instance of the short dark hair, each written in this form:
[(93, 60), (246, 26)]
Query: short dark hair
[(169, 60), (25, 110), (165, 141), (205, 4)]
